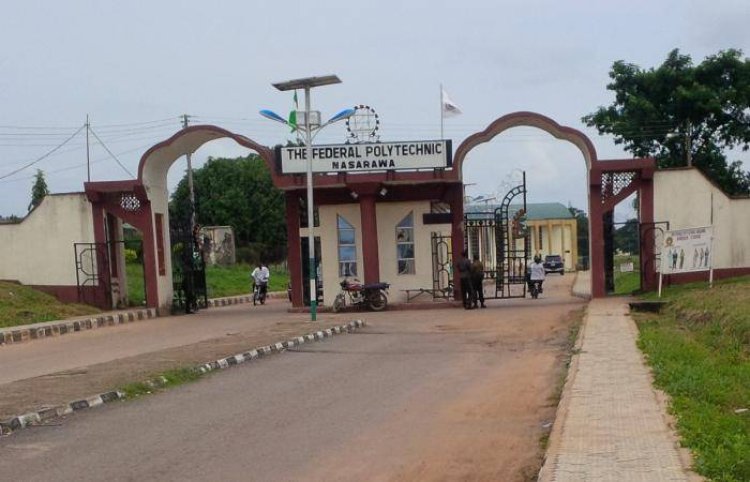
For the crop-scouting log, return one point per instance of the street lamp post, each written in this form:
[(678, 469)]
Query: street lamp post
[(306, 84)]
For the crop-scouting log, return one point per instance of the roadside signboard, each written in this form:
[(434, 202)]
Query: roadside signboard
[(687, 250)]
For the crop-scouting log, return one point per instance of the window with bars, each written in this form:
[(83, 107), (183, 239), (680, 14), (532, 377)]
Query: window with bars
[(405, 245), (347, 247)]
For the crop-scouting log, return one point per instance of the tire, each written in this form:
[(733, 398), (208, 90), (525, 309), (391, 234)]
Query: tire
[(562, 273), (338, 303), (378, 301), (255, 298)]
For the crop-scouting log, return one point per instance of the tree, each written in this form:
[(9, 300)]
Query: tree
[(582, 234), (39, 190), (682, 114), (626, 237), (238, 193)]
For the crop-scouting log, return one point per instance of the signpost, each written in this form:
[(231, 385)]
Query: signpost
[(686, 251)]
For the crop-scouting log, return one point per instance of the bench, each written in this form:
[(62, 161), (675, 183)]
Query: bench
[(443, 293)]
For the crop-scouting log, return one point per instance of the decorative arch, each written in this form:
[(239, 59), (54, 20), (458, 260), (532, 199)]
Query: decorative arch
[(525, 119), (156, 161), (143, 203), (608, 183)]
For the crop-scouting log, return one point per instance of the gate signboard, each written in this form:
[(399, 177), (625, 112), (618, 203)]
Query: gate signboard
[(381, 156), (687, 250)]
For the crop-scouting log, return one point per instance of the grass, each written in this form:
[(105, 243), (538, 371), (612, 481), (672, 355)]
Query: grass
[(21, 305), (235, 280), (699, 351), (136, 287), (170, 378), (220, 280), (629, 281)]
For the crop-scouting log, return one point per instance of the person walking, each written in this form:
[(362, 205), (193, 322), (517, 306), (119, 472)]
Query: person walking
[(464, 272), (477, 278)]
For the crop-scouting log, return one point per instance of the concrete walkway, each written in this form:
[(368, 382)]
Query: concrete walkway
[(610, 424)]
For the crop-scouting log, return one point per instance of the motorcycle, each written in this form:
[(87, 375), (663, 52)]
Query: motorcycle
[(259, 293), (535, 287), (372, 296)]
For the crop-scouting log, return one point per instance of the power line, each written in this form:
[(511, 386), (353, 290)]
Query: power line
[(49, 153), (110, 152)]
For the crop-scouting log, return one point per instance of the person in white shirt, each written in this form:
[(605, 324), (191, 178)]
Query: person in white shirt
[(536, 272), (260, 276)]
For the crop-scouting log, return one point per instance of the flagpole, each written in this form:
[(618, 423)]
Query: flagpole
[(441, 112)]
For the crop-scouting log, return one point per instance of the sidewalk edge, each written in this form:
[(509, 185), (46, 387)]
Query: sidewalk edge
[(38, 417)]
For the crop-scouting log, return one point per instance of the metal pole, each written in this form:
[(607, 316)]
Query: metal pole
[(310, 212), (191, 190), (88, 160), (441, 112)]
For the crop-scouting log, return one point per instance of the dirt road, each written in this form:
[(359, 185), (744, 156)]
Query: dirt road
[(426, 395)]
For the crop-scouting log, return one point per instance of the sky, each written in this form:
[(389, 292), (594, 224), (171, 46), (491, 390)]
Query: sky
[(134, 67)]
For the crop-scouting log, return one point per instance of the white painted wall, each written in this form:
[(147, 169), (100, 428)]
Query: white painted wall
[(159, 197), (39, 250), (388, 215), (329, 253), (687, 199)]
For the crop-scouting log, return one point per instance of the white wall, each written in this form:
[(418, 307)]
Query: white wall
[(39, 250), (388, 215), (159, 197), (687, 199), (329, 246)]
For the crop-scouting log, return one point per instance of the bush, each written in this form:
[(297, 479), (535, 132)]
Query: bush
[(131, 255)]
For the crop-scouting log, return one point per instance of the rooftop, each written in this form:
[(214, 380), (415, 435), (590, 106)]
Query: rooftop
[(536, 211)]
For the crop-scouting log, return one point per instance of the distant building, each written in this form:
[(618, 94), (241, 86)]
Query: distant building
[(552, 229)]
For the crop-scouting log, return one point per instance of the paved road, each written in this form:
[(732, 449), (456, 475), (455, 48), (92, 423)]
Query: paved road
[(54, 354), (430, 395)]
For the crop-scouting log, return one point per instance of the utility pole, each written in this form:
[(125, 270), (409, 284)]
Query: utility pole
[(185, 119), (88, 157), (688, 145)]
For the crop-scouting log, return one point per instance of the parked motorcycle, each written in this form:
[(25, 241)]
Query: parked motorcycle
[(372, 296)]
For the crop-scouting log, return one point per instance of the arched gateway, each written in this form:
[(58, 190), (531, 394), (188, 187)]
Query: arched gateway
[(143, 203)]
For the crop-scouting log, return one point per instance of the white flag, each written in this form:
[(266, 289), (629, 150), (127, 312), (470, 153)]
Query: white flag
[(450, 108)]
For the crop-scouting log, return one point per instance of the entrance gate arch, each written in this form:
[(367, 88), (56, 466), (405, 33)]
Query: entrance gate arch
[(143, 203), (609, 182)]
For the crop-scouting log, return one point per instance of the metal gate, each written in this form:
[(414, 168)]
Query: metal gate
[(653, 234), (188, 270), (501, 241), (625, 244), (92, 271), (442, 281), (98, 273)]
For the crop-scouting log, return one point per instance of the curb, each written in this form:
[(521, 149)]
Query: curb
[(11, 336), (233, 300), (35, 418)]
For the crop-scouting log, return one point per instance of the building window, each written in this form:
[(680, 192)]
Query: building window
[(405, 245), (347, 248)]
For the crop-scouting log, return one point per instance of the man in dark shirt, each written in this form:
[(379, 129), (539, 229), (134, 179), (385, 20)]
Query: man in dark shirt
[(464, 271), (477, 278)]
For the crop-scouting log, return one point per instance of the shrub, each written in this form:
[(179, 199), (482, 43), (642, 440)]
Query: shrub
[(131, 255)]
